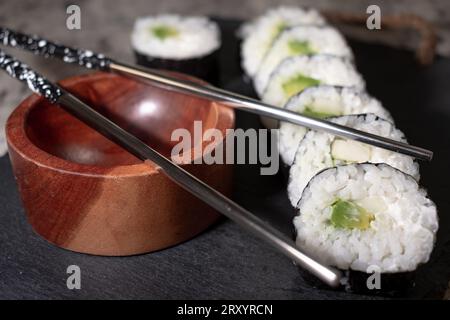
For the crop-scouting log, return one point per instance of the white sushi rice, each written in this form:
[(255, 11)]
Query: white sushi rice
[(194, 37), (327, 69), (316, 40), (401, 235), (320, 150), (335, 101), (259, 34)]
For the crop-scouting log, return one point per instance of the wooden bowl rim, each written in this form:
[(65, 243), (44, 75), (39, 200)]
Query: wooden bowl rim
[(27, 149)]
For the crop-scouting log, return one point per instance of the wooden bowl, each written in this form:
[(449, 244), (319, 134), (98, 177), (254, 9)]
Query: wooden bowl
[(84, 193)]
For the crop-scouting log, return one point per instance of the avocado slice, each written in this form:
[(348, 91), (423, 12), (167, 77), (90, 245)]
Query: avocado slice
[(163, 32), (297, 47), (346, 214), (298, 83), (312, 112), (279, 28)]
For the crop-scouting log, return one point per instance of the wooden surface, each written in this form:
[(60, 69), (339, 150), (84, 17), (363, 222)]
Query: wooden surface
[(224, 261), (84, 193)]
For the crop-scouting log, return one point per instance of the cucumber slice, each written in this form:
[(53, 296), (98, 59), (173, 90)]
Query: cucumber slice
[(350, 151)]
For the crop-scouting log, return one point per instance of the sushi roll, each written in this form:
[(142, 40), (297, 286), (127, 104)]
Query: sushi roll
[(300, 40), (320, 150), (185, 44), (324, 102), (365, 218), (295, 74), (259, 34)]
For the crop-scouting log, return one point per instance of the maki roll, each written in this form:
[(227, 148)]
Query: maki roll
[(185, 44), (366, 218), (300, 40), (259, 34), (320, 150), (295, 74), (324, 102)]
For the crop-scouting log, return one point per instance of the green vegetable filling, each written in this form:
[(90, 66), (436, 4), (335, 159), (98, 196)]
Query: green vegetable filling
[(297, 47), (310, 112), (348, 215), (298, 83), (279, 28), (163, 32)]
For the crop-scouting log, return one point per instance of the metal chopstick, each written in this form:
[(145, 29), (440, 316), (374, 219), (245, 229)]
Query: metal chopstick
[(92, 60)]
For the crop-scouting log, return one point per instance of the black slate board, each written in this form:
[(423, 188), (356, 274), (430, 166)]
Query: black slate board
[(225, 262)]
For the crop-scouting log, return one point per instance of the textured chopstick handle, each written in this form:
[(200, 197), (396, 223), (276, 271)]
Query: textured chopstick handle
[(34, 81), (47, 49)]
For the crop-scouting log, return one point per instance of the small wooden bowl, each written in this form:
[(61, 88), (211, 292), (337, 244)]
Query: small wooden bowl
[(84, 193)]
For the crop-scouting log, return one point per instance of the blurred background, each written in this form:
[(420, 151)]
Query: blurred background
[(106, 27)]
